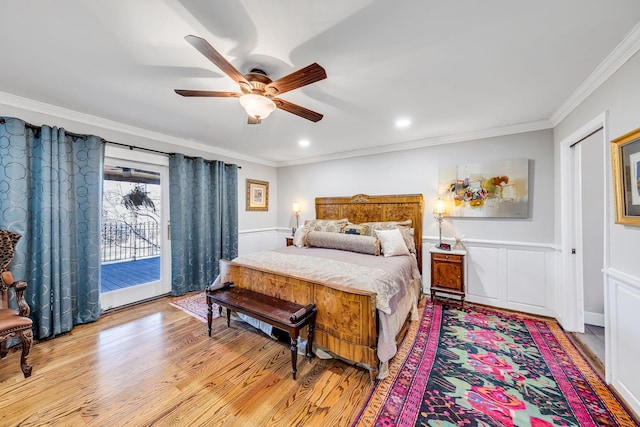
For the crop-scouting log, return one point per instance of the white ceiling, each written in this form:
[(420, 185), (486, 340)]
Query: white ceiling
[(452, 67)]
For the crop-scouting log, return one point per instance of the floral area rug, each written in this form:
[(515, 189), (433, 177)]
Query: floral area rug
[(196, 306), (478, 367)]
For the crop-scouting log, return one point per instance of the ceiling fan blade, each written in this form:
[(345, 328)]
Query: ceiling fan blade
[(297, 110), (305, 76), (214, 56), (253, 121), (209, 93)]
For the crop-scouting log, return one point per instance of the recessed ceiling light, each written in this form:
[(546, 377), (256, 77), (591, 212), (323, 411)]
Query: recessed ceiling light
[(304, 143), (403, 123)]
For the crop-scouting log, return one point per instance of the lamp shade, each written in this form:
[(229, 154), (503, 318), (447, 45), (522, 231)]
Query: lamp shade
[(296, 208), (439, 208), (257, 106)]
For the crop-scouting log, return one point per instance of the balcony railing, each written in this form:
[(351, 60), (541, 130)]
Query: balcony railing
[(123, 241)]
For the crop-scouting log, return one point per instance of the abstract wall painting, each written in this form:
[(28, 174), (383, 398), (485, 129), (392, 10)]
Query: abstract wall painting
[(498, 189)]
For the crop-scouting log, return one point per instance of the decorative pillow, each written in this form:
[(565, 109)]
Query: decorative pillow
[(392, 242), (386, 225), (8, 242), (362, 230), (404, 226), (299, 239), (345, 242), (329, 225), (407, 235)]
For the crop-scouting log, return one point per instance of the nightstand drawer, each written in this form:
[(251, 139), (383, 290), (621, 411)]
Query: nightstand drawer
[(446, 257)]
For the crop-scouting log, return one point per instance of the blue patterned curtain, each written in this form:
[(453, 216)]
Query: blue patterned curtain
[(204, 220), (51, 193)]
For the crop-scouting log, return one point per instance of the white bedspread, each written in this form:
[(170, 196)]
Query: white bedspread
[(386, 283)]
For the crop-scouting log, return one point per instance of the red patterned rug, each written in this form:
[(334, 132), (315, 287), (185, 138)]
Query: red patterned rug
[(196, 306), (480, 367)]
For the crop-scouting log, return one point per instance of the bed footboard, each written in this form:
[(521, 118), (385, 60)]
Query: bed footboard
[(346, 323)]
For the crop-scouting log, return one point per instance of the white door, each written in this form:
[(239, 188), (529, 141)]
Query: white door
[(135, 252), (585, 222), (593, 204)]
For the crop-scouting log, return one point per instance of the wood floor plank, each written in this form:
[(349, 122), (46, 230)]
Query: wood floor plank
[(155, 365)]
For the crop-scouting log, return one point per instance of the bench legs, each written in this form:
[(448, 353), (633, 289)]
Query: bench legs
[(293, 333), (310, 328), (294, 355), (210, 314)]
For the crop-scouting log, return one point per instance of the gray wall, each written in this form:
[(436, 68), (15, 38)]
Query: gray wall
[(417, 171), (619, 96)]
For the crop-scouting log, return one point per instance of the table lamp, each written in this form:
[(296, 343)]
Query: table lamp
[(296, 211), (439, 210)]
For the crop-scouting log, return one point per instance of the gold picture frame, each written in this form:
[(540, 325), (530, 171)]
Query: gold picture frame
[(257, 195), (625, 162)]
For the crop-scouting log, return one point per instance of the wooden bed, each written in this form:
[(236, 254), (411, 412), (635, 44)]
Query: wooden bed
[(347, 319)]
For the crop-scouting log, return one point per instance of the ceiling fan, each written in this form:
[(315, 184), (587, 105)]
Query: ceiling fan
[(257, 92)]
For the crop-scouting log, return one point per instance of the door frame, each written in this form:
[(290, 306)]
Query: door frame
[(571, 301), (156, 163)]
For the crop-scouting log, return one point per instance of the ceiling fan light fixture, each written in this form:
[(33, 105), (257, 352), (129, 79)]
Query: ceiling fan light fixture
[(257, 106)]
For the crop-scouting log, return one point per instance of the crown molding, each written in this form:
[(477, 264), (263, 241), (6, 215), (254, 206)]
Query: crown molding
[(98, 122), (426, 142), (94, 121), (612, 63)]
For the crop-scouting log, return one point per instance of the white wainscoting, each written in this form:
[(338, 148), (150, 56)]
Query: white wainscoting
[(262, 240), (512, 275), (622, 340)]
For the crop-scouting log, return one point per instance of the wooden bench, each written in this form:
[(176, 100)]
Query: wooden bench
[(285, 315)]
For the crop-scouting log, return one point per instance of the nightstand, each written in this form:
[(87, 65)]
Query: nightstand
[(447, 273), (289, 241)]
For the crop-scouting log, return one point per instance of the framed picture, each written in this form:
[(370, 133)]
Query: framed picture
[(257, 195), (625, 161)]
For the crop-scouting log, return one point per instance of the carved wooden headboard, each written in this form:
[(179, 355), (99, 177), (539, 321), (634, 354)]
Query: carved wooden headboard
[(364, 208)]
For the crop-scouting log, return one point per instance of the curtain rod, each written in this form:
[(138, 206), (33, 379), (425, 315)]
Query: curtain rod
[(104, 141), (133, 147)]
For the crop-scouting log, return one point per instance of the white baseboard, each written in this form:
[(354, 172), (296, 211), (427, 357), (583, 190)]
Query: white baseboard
[(596, 319)]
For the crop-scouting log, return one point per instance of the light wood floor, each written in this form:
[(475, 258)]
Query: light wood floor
[(591, 345), (155, 365)]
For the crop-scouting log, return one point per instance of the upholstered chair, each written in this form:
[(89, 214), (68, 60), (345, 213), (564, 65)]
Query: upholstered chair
[(13, 323)]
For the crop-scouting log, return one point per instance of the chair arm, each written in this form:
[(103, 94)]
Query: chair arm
[(6, 280), (20, 286)]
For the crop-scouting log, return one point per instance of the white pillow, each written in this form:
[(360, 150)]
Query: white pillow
[(300, 236), (392, 242)]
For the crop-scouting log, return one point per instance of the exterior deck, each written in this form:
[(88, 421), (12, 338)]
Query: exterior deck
[(124, 274)]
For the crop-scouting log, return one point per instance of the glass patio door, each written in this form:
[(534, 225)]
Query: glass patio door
[(134, 241)]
